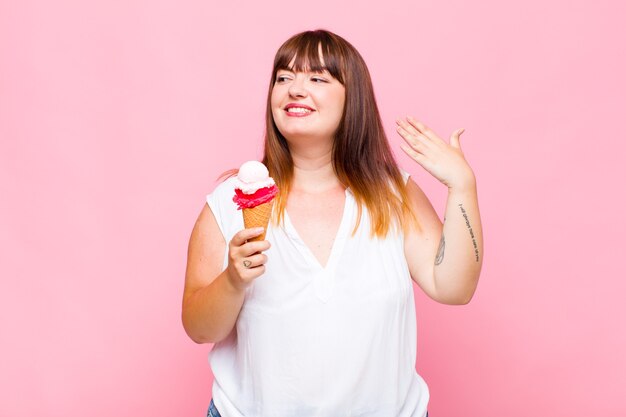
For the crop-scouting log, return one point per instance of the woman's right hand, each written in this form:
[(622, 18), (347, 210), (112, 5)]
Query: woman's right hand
[(245, 260)]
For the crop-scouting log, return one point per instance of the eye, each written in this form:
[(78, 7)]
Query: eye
[(281, 78), (318, 80)]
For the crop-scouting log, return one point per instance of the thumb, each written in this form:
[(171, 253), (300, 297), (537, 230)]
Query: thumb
[(454, 138)]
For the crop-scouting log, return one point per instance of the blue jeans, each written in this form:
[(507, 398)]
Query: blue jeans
[(214, 413)]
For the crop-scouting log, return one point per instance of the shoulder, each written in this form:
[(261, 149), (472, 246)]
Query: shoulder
[(227, 186), (222, 194), (417, 198), (405, 174), (221, 203)]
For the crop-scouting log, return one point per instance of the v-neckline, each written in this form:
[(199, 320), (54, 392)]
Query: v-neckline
[(338, 241)]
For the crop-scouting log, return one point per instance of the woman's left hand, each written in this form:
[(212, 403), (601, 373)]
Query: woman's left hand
[(444, 161)]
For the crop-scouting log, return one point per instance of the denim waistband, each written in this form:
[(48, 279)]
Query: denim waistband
[(214, 413)]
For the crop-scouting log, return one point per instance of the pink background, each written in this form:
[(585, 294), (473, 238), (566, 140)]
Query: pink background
[(116, 118)]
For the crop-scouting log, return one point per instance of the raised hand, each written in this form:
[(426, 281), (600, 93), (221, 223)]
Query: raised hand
[(445, 161)]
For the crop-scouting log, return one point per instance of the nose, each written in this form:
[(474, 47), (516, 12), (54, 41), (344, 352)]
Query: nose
[(297, 87)]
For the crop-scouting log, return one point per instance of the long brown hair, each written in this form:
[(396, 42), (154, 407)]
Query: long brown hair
[(362, 159)]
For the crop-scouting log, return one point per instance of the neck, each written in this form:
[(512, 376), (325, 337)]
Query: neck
[(313, 169)]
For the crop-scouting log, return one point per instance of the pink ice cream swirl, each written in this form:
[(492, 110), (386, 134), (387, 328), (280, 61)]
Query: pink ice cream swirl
[(253, 185), (262, 195)]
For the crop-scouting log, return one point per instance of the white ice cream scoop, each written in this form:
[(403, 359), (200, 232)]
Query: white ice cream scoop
[(252, 176)]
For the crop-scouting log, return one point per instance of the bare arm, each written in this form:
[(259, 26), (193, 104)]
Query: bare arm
[(460, 253), (444, 260), (213, 297)]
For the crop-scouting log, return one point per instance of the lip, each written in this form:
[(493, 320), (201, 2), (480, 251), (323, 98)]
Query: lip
[(302, 106)]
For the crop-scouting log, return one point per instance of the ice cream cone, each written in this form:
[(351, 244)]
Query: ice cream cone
[(254, 195), (258, 216)]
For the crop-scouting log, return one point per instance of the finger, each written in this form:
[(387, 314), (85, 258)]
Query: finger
[(417, 142), (245, 234), (407, 126), (413, 131), (254, 261), (248, 273), (422, 128), (455, 138), (416, 156), (251, 248)]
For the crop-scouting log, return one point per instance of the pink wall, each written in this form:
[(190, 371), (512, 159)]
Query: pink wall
[(116, 117)]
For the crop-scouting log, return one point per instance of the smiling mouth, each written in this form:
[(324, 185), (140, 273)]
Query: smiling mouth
[(298, 110)]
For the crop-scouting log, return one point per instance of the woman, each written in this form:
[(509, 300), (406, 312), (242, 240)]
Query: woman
[(321, 321)]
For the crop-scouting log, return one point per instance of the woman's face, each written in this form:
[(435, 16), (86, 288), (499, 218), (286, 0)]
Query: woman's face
[(307, 105)]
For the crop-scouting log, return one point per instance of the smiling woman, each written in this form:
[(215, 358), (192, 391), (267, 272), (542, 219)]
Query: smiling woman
[(323, 323)]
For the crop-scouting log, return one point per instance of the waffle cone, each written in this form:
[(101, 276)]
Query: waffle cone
[(258, 216)]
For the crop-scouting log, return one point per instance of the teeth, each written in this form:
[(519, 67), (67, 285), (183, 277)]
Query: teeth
[(298, 110)]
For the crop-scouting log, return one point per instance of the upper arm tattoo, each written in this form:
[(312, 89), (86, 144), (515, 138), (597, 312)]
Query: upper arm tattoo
[(441, 250)]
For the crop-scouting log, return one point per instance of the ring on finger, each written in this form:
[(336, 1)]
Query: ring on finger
[(247, 263)]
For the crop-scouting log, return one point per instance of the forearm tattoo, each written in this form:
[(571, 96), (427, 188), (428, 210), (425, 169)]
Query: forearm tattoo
[(471, 232), (440, 251)]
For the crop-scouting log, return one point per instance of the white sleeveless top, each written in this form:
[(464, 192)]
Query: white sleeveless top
[(339, 341)]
